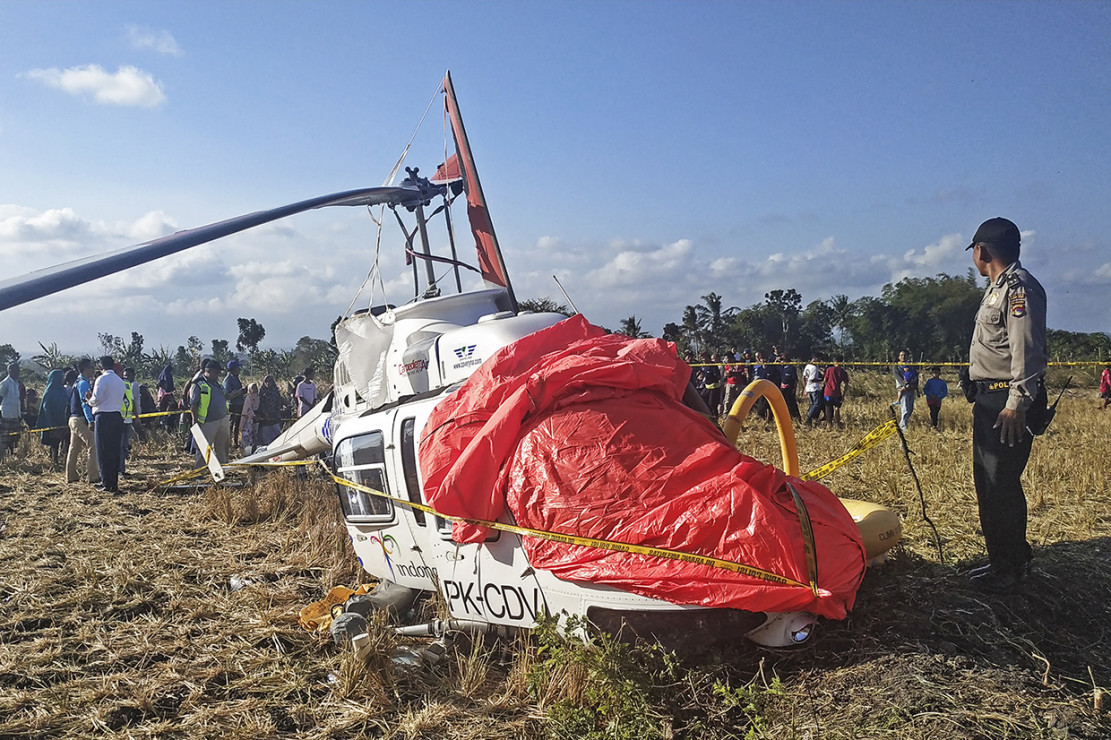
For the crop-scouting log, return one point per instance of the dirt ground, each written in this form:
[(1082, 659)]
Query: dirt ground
[(173, 613)]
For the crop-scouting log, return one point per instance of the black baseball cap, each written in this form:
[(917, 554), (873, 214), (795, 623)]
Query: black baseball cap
[(998, 231)]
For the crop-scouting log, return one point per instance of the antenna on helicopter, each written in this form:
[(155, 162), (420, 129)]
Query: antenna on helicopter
[(565, 295)]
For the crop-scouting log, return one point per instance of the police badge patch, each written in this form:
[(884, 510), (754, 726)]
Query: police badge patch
[(1018, 305)]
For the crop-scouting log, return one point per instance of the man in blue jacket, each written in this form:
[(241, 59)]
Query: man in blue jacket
[(81, 428)]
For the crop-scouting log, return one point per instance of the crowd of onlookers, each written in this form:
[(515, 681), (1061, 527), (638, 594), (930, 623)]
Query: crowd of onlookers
[(87, 415), (234, 416), (719, 380)]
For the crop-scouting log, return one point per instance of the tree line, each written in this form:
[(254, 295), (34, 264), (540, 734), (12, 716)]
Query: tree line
[(149, 361), (933, 317)]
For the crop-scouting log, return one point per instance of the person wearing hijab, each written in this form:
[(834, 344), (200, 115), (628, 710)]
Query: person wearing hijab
[(54, 414), (166, 380), (248, 428), (269, 414), (167, 401)]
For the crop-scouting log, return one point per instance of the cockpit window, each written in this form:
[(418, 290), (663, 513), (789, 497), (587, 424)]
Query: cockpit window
[(361, 460)]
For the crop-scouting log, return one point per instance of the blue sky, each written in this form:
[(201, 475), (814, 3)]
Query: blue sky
[(647, 153)]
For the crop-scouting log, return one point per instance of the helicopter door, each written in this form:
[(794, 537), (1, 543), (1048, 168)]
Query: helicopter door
[(408, 439)]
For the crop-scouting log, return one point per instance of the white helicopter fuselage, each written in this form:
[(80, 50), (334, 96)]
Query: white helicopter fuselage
[(490, 581), (434, 346)]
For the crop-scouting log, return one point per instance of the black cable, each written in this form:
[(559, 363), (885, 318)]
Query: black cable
[(921, 496)]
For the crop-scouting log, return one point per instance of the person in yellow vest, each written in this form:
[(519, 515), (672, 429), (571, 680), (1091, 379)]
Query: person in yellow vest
[(210, 409)]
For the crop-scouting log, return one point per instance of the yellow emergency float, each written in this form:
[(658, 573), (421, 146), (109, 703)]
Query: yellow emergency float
[(880, 527)]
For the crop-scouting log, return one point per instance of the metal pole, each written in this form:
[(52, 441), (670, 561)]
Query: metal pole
[(451, 241), (429, 272)]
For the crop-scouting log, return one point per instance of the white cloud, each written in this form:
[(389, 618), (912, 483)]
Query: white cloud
[(636, 265), (160, 41), (128, 86), (945, 255), (655, 282), (153, 225), (58, 231), (723, 265), (31, 239), (181, 273), (302, 287), (549, 244)]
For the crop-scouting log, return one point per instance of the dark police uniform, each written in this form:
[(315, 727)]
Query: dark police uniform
[(1007, 363)]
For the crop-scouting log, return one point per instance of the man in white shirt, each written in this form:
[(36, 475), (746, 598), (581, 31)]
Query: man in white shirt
[(812, 377), (11, 410), (306, 392), (106, 401)]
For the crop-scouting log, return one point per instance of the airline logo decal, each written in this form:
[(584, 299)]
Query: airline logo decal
[(416, 366), (466, 357), (388, 545)]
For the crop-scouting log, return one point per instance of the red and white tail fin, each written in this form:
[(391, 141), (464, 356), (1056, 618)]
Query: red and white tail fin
[(490, 260)]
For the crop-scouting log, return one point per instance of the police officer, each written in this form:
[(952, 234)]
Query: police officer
[(1007, 362), (210, 409)]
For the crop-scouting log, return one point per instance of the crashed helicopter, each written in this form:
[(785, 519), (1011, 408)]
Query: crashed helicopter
[(522, 464)]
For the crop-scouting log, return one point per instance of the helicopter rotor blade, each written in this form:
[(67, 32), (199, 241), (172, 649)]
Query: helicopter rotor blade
[(50, 280)]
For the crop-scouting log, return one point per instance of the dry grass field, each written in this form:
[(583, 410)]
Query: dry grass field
[(173, 613)]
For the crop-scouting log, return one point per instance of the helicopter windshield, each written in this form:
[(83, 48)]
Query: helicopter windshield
[(361, 460)]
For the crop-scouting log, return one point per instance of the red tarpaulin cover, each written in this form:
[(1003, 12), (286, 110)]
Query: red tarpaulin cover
[(579, 432)]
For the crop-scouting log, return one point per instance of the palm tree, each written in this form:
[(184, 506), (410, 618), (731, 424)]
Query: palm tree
[(630, 327), (691, 328), (712, 319), (544, 305)]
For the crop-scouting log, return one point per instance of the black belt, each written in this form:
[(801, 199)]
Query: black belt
[(988, 386)]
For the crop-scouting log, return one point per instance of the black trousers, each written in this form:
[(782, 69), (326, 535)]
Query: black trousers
[(108, 434), (997, 471), (792, 403), (236, 413)]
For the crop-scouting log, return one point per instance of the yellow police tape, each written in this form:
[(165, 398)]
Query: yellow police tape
[(870, 440), (149, 415), (569, 539), (687, 557), (892, 363), (873, 438)]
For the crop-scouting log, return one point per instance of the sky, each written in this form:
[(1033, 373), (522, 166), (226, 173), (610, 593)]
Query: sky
[(646, 153)]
